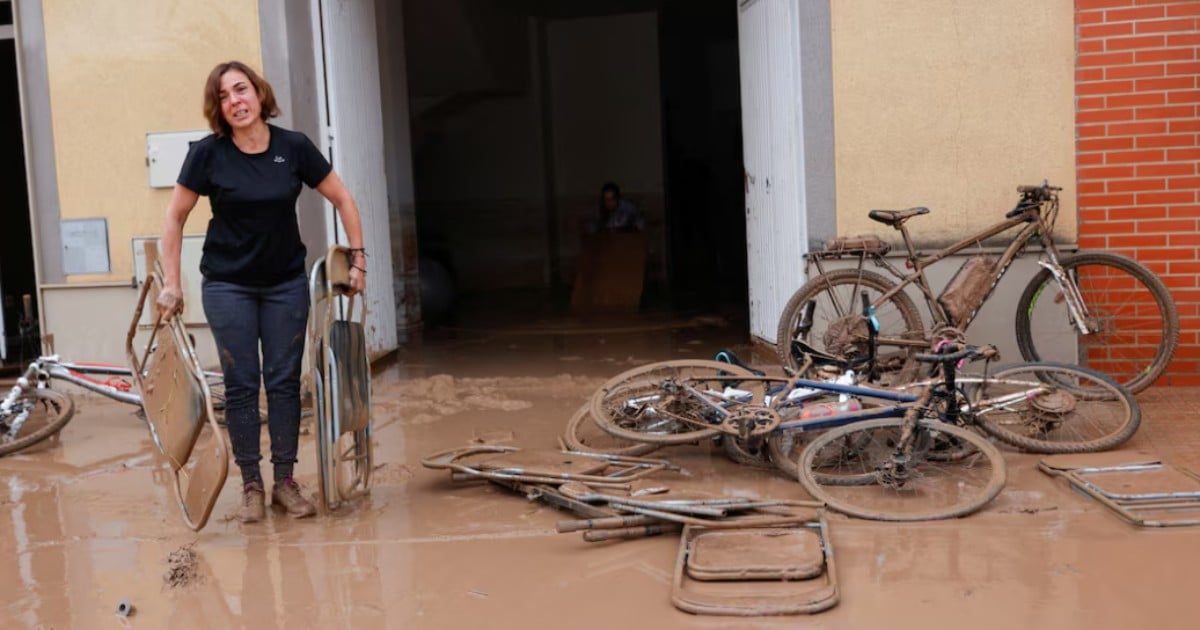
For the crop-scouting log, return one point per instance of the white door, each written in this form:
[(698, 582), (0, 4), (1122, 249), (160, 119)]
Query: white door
[(772, 138), (349, 54)]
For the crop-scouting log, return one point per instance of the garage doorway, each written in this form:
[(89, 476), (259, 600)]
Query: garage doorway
[(521, 111)]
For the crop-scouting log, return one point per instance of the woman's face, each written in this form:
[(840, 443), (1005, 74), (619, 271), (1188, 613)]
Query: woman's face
[(239, 100)]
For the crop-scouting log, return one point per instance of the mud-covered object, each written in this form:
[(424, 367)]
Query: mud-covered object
[(860, 244), (351, 387), (756, 554), (337, 267), (968, 288)]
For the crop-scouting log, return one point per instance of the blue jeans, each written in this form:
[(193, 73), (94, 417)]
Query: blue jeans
[(245, 319)]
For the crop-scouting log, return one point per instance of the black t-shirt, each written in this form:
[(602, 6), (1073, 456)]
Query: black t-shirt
[(253, 237)]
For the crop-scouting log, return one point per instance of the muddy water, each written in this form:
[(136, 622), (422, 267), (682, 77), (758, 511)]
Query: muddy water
[(89, 521)]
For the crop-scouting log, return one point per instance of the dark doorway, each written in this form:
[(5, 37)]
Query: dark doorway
[(17, 278), (703, 154), (521, 110)]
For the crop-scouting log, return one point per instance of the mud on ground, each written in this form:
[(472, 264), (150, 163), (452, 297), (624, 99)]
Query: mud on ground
[(90, 521)]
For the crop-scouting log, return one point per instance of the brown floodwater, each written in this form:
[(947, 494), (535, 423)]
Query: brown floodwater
[(88, 520)]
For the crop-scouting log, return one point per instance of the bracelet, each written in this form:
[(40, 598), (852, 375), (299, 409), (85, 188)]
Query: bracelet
[(358, 268), (357, 250)]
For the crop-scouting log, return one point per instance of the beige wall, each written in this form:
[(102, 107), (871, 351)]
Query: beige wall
[(951, 104), (117, 70)]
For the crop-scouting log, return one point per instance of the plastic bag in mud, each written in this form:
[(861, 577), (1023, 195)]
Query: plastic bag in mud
[(969, 286)]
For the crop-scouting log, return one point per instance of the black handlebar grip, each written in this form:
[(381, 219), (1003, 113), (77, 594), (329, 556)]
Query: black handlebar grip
[(947, 357)]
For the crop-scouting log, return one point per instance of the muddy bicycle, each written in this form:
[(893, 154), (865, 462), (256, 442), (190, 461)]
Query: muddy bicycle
[(33, 410), (1097, 309), (913, 447)]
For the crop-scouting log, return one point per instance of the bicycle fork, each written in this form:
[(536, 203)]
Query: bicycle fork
[(896, 472), (8, 428), (1070, 292)]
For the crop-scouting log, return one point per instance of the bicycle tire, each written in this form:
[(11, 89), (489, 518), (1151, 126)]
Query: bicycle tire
[(1086, 410), (1109, 281), (903, 312), (877, 501), (617, 393), (63, 407), (781, 447), (577, 437)]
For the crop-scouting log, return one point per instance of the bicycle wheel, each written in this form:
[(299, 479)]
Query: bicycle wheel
[(1133, 319), (1054, 408), (927, 487), (785, 447), (583, 434), (49, 411), (838, 328), (651, 403)]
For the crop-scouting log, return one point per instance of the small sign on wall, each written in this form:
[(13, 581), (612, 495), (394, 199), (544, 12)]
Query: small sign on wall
[(85, 246)]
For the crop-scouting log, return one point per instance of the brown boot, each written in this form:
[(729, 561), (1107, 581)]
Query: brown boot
[(252, 509), (286, 496)]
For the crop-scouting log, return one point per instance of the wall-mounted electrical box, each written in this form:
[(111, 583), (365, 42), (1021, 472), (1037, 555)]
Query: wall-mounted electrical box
[(165, 153)]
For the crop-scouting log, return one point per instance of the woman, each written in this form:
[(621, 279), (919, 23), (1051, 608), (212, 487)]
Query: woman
[(254, 287)]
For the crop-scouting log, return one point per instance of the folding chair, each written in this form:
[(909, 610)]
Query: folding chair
[(177, 405), (1142, 490), (753, 571), (341, 381)]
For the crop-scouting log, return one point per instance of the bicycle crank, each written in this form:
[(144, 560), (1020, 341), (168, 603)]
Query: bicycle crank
[(751, 422)]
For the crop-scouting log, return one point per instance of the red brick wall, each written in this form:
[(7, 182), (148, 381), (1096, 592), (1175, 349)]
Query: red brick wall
[(1137, 129)]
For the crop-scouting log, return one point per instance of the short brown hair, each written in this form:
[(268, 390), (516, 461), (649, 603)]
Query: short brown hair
[(212, 96)]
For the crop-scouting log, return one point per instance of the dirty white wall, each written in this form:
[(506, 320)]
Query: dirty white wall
[(951, 105)]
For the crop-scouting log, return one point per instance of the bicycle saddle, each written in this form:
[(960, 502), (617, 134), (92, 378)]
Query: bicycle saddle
[(896, 217)]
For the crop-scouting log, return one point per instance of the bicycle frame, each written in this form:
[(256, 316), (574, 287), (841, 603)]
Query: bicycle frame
[(1035, 223), (49, 367), (821, 388), (44, 368), (904, 401)]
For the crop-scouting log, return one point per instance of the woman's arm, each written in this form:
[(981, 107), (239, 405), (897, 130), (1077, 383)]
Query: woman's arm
[(183, 200), (336, 192)]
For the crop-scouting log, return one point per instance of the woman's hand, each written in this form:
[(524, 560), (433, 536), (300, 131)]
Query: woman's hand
[(358, 280), (358, 271), (170, 301)]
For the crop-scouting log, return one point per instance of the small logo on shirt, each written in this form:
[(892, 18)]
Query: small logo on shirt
[(279, 159)]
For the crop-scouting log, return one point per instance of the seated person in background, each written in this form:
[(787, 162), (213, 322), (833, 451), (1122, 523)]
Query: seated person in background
[(617, 214)]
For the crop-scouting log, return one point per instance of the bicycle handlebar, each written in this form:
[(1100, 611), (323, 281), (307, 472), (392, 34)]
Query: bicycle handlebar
[(1032, 197), (1043, 187)]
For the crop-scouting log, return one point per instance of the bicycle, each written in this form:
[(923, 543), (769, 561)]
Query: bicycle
[(1042, 407), (1114, 315), (33, 411)]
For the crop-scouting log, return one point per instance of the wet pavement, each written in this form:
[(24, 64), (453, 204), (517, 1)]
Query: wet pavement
[(88, 520)]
